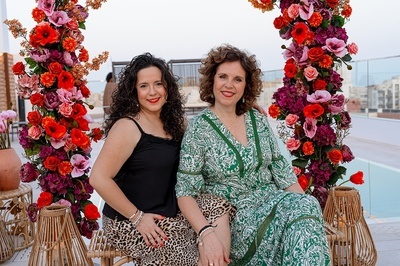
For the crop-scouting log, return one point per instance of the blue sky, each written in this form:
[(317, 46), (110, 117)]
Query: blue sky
[(179, 29)]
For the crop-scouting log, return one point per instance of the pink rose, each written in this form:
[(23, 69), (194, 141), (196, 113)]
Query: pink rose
[(293, 10), (337, 103), (296, 170), (34, 132), (65, 109), (353, 48), (310, 127), (292, 144), (310, 73), (291, 119)]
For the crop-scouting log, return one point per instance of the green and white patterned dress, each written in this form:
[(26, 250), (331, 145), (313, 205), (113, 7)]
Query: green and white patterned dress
[(272, 226)]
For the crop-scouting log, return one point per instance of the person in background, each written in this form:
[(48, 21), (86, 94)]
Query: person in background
[(108, 91), (229, 150), (135, 172)]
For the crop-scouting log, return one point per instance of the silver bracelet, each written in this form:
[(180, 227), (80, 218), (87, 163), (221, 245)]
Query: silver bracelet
[(138, 219)]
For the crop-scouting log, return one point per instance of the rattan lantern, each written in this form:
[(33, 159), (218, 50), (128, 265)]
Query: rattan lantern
[(6, 243), (343, 211), (58, 241)]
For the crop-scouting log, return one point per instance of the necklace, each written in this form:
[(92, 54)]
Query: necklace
[(227, 125)]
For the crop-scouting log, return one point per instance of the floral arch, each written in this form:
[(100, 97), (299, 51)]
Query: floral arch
[(57, 140)]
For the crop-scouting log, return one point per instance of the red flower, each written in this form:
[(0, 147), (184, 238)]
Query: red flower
[(84, 90), (279, 23), (45, 199), (83, 55), (290, 69), (35, 118), (69, 44), (65, 80), (54, 129), (80, 139), (18, 68), (37, 99), (313, 110), (300, 32), (78, 110), (43, 34), (335, 156), (55, 68), (64, 168), (38, 15), (326, 61), (97, 134), (303, 182), (315, 53), (357, 178), (47, 79), (319, 84), (316, 19), (332, 3), (91, 212), (51, 163), (347, 10), (308, 148)]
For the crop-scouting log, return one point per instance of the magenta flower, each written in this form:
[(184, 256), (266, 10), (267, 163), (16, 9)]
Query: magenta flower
[(28, 172), (337, 103), (47, 6), (59, 18), (80, 164)]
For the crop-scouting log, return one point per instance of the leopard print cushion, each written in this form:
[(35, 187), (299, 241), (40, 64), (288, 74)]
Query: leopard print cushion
[(180, 249)]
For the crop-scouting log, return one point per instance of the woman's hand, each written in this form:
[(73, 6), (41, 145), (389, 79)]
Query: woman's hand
[(152, 234), (212, 251)]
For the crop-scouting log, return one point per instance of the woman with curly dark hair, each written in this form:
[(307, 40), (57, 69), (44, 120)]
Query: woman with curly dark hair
[(229, 150), (135, 172)]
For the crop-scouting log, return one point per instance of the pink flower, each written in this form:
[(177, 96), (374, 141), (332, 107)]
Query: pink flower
[(310, 127), (47, 6), (292, 144), (291, 120), (34, 132), (310, 73), (293, 10), (353, 48), (336, 46), (320, 96), (65, 109), (80, 164), (59, 18), (296, 170), (306, 10), (337, 103)]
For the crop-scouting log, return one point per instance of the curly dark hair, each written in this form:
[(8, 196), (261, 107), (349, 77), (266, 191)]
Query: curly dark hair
[(229, 53), (125, 101)]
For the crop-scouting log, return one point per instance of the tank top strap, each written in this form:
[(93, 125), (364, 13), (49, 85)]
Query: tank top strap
[(137, 124)]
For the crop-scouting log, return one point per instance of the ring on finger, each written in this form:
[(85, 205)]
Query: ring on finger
[(211, 264), (149, 236)]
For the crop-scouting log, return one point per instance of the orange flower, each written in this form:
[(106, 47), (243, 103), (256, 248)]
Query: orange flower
[(335, 156), (326, 61), (45, 199), (65, 80), (308, 148), (38, 15), (300, 32), (69, 44), (274, 110), (65, 168), (79, 138), (313, 110), (303, 182), (18, 68), (316, 19), (91, 212), (47, 79), (357, 178), (83, 55), (347, 10), (51, 163)]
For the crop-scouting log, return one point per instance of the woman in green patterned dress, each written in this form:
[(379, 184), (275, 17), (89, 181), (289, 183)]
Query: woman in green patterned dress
[(229, 150)]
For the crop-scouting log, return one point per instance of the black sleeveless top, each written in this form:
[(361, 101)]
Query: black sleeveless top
[(148, 176)]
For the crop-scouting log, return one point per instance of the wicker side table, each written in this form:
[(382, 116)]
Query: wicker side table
[(13, 204)]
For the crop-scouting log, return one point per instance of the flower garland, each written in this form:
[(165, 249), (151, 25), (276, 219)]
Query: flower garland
[(57, 138), (310, 104)]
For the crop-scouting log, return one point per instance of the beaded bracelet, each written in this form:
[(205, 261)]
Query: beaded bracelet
[(138, 219), (204, 228), (133, 215)]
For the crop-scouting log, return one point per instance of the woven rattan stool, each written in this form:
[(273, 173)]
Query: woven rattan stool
[(99, 247), (13, 205)]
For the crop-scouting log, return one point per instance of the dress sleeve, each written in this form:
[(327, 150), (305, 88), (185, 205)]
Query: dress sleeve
[(189, 177), (281, 170)]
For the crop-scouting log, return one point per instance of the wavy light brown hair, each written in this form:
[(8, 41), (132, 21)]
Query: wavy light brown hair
[(229, 53), (125, 99)]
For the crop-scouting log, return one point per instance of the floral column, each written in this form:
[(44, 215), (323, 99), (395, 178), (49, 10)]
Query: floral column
[(57, 139), (310, 103)]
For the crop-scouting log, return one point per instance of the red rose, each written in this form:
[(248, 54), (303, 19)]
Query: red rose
[(55, 68), (51, 163), (78, 110), (84, 90), (37, 99), (65, 80), (274, 110), (279, 22), (315, 53), (35, 118), (303, 182), (45, 199), (91, 212), (335, 156), (319, 84), (357, 178), (290, 69), (18, 68)]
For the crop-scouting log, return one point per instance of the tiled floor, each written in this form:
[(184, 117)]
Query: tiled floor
[(385, 233)]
